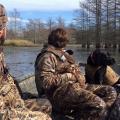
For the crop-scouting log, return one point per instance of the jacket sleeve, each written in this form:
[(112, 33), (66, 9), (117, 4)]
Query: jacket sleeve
[(49, 76)]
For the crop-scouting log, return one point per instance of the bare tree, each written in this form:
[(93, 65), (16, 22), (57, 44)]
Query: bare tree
[(50, 24), (36, 31), (101, 17), (60, 22), (15, 22)]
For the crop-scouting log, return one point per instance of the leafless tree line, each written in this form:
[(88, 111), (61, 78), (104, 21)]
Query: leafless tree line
[(33, 29), (98, 23)]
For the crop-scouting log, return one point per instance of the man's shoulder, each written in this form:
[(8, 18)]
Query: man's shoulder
[(46, 54)]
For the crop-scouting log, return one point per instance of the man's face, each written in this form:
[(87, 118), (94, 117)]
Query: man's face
[(2, 35)]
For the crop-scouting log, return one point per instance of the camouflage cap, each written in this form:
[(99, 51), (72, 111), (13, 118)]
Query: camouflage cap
[(3, 16)]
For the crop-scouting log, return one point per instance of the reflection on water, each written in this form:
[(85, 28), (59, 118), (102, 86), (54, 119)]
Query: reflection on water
[(20, 60)]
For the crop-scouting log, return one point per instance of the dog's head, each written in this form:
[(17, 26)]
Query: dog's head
[(99, 58)]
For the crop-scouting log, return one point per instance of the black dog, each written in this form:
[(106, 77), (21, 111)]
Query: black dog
[(96, 67)]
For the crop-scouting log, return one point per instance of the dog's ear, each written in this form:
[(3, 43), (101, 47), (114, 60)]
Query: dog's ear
[(90, 59), (94, 57)]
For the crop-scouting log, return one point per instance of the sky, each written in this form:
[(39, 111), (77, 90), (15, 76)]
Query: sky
[(43, 9)]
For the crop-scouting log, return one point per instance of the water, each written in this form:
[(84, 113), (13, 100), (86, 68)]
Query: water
[(20, 60)]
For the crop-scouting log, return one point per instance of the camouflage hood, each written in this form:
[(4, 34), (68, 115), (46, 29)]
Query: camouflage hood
[(61, 54), (50, 48)]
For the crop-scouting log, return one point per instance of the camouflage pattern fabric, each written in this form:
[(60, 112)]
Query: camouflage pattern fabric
[(115, 111), (106, 92), (13, 114), (40, 104), (65, 86), (94, 100), (12, 107)]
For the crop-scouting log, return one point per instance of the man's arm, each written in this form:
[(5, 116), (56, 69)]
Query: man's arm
[(49, 75)]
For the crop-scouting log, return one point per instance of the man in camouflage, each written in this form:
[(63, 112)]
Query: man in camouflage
[(12, 107), (57, 75)]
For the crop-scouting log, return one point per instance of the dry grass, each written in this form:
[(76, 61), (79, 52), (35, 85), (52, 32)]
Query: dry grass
[(28, 43), (19, 42)]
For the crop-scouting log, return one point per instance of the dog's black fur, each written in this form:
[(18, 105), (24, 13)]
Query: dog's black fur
[(99, 58)]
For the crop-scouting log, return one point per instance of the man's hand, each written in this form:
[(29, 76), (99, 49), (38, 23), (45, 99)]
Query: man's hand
[(75, 70)]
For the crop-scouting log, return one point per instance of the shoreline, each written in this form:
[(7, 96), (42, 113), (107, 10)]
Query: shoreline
[(28, 43), (20, 43)]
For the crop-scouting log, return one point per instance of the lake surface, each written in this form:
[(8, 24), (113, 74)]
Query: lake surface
[(20, 60)]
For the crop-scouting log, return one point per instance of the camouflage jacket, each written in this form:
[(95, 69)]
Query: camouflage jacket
[(2, 63), (12, 107), (54, 68)]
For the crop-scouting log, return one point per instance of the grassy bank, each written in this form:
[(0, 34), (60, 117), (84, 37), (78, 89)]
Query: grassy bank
[(19, 43), (28, 43)]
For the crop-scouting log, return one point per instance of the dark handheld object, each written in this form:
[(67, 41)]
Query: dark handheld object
[(70, 52)]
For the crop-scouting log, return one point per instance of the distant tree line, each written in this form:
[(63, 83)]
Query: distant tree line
[(98, 22), (33, 29)]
